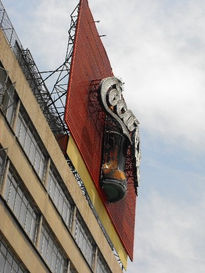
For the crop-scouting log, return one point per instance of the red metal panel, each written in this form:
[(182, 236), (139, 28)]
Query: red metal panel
[(90, 63)]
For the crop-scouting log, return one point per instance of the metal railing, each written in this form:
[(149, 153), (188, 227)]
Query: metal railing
[(33, 76), (8, 29)]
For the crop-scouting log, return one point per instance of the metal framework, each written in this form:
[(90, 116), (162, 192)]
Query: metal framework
[(40, 91), (52, 103), (61, 74)]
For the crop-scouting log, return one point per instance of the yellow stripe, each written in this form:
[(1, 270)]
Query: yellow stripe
[(75, 157)]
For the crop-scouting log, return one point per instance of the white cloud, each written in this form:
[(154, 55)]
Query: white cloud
[(169, 236), (157, 48), (47, 29)]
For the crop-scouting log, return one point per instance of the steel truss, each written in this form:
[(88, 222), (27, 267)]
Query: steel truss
[(52, 103), (60, 87), (40, 91), (32, 74)]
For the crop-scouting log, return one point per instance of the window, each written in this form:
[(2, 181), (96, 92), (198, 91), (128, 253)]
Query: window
[(8, 97), (10, 103), (2, 163), (101, 265), (59, 198), (84, 240), (21, 206), (3, 80), (29, 142), (8, 262), (51, 252)]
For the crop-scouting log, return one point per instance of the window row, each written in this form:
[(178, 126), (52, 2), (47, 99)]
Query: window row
[(24, 130), (8, 261), (38, 157), (81, 234), (62, 202), (28, 216), (21, 205), (64, 205), (53, 256), (51, 252)]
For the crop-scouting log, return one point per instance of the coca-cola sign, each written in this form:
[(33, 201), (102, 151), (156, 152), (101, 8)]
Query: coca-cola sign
[(121, 132)]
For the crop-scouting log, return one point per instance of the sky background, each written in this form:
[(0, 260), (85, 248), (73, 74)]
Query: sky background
[(158, 49)]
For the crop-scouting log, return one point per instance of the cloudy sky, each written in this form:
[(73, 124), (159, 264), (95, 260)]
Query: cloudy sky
[(158, 49)]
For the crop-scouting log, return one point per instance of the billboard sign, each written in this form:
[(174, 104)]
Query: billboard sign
[(94, 106)]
